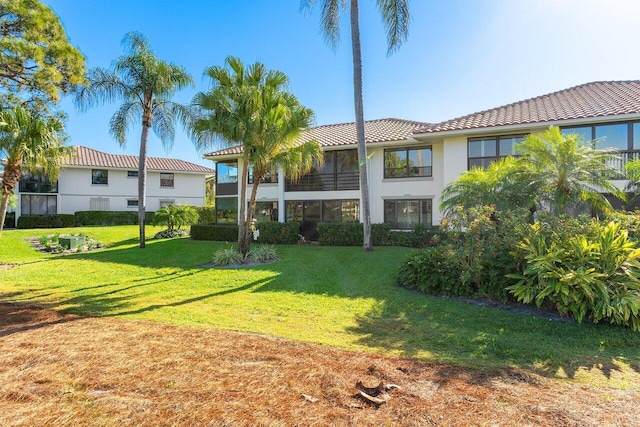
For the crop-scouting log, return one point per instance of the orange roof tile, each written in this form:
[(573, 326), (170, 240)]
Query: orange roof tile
[(597, 99)]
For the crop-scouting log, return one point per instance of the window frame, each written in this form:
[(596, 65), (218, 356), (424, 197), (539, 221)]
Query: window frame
[(163, 185), (94, 177), (271, 179), (408, 168), (421, 214), (133, 203), (487, 160)]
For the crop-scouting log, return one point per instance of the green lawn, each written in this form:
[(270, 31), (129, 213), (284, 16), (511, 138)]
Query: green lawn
[(337, 296)]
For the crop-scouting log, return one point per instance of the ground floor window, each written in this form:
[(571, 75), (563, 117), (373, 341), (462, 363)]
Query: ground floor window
[(405, 214), (266, 212), (38, 204), (226, 210), (132, 203), (310, 212), (165, 203)]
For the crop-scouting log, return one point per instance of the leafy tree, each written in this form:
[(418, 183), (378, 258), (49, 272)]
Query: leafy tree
[(395, 17), (36, 56), (250, 106), (31, 143), (632, 170), (567, 171), (503, 185), (145, 84), (175, 216)]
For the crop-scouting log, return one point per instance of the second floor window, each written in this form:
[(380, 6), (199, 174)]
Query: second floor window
[(407, 162), (36, 183), (484, 151), (166, 180), (99, 176), (270, 178)]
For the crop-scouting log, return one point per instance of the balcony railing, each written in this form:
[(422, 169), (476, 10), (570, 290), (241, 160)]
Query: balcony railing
[(325, 182), (619, 164)]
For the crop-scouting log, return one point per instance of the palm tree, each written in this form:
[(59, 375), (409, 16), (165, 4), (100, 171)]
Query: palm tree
[(29, 143), (503, 185), (250, 106), (568, 171), (395, 17), (145, 84)]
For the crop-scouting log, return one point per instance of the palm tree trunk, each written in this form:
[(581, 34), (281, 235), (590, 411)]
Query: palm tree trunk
[(142, 182), (359, 110), (248, 235), (10, 177), (3, 209), (242, 223)]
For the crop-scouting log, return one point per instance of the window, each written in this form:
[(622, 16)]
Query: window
[(270, 178), (310, 212), (36, 183), (99, 176), (132, 203), (339, 172), (226, 210), (132, 174), (405, 214), (166, 179), (165, 203), (484, 151), (31, 204), (226, 178), (99, 204), (402, 163), (266, 212)]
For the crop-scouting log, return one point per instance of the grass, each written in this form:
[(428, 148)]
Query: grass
[(338, 296)]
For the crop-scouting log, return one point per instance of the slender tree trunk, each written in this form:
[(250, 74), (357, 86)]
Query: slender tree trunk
[(3, 209), (142, 180), (248, 236), (10, 177), (242, 223), (359, 110)]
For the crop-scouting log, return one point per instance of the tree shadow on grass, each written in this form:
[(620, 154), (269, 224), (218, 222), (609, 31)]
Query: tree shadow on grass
[(455, 332)]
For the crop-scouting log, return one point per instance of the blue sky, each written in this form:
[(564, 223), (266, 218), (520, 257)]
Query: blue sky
[(462, 56)]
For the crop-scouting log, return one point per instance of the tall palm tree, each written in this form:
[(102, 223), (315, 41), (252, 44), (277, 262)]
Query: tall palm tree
[(568, 171), (29, 143), (145, 85), (502, 185), (395, 17), (250, 106)]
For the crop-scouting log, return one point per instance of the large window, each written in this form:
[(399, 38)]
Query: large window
[(270, 178), (31, 204), (339, 172), (36, 183), (266, 212), (405, 214), (401, 163), (166, 179), (227, 178), (226, 210), (484, 151), (311, 212), (100, 176)]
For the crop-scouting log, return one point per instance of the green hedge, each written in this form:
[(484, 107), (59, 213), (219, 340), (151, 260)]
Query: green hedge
[(110, 217), (46, 221), (220, 233), (274, 233), (206, 214), (351, 234)]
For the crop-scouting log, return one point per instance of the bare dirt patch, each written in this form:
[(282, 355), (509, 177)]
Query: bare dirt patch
[(62, 369)]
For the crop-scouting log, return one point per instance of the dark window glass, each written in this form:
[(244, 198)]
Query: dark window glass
[(166, 180), (294, 211), (350, 211), (31, 204), (227, 172), (266, 212), (347, 161), (482, 148), (270, 178), (132, 203), (636, 136), (132, 174), (36, 183), (613, 136), (340, 172), (332, 211), (227, 210), (100, 176), (405, 214), (507, 145), (407, 162)]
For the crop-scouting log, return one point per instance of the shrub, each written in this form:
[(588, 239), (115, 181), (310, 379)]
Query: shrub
[(262, 253), (628, 221), (220, 233), (175, 216), (433, 271), (340, 233), (593, 275), (110, 217), (278, 232), (46, 221), (170, 234), (206, 214), (227, 256)]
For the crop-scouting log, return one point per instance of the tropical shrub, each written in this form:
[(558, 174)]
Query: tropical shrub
[(340, 233), (220, 233), (206, 214), (275, 233), (432, 271), (227, 256), (170, 234), (46, 221), (628, 221), (592, 276), (175, 216), (262, 253)]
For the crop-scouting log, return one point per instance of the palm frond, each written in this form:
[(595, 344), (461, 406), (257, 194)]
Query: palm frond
[(122, 120), (395, 17)]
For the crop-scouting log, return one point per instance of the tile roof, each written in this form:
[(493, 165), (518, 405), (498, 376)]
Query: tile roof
[(597, 99), (381, 130), (89, 157)]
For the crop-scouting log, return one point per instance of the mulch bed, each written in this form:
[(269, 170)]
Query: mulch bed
[(60, 369)]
